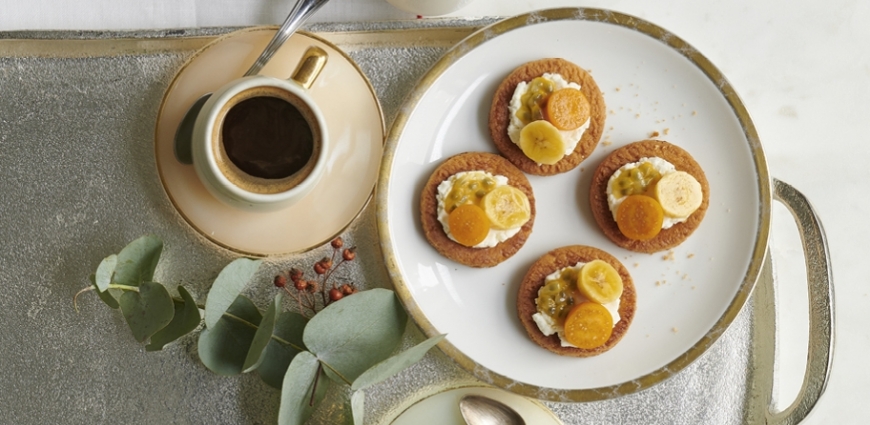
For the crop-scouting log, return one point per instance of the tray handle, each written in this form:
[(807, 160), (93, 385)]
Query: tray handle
[(821, 314)]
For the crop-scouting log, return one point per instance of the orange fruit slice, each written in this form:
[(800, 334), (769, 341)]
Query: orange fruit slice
[(468, 224), (639, 217), (588, 325), (567, 109)]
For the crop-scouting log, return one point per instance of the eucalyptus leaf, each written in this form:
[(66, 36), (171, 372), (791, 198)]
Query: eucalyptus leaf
[(114, 294), (105, 271), (357, 332), (185, 320), (105, 296), (301, 380), (223, 347), (336, 377), (137, 261), (395, 364), (148, 310), (228, 285), (357, 406), (278, 354), (263, 336)]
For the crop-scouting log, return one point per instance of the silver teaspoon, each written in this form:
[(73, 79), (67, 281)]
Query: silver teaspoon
[(300, 13), (480, 410)]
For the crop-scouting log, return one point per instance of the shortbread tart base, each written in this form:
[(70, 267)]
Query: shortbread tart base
[(559, 258), (434, 231), (667, 238), (499, 115)]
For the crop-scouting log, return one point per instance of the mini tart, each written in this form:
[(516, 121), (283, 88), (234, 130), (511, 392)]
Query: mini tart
[(434, 231), (566, 257), (667, 238), (499, 115)]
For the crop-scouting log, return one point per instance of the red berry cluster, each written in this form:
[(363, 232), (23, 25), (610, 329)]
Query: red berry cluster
[(330, 291)]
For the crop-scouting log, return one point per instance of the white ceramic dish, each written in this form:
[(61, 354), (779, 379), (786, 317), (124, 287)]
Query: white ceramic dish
[(443, 408), (653, 82)]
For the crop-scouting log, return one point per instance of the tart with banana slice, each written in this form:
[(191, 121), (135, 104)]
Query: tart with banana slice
[(649, 196), (477, 209), (547, 116), (577, 301)]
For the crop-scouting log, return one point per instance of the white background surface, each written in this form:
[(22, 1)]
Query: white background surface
[(801, 67)]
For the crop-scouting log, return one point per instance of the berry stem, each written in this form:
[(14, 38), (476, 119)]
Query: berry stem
[(295, 297)]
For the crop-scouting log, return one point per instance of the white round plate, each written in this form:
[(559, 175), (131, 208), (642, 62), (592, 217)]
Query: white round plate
[(443, 408), (356, 130), (654, 84)]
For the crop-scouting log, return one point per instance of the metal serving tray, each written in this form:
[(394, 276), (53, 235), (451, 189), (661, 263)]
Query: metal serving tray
[(77, 116)]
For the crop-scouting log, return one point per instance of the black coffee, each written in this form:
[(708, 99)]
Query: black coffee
[(267, 137)]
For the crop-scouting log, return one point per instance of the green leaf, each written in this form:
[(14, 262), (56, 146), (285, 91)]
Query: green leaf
[(299, 383), (223, 347), (263, 336), (357, 406), (395, 364), (185, 320), (105, 271), (105, 296), (148, 310), (357, 332), (278, 355), (228, 285), (137, 261)]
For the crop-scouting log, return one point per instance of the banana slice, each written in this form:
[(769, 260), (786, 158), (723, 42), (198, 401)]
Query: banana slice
[(542, 142), (599, 282), (679, 194), (506, 207)]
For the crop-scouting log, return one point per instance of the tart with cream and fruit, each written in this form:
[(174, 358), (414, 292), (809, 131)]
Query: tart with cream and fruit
[(649, 196), (577, 301), (547, 116), (477, 209)]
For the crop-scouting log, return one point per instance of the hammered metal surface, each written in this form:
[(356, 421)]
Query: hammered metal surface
[(80, 181)]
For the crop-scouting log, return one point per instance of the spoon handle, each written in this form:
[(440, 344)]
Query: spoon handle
[(301, 11)]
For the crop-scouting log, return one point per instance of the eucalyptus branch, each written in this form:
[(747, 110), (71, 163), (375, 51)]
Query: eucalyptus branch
[(76, 296), (337, 373), (93, 288), (124, 287), (163, 318), (251, 325), (200, 306), (316, 380)]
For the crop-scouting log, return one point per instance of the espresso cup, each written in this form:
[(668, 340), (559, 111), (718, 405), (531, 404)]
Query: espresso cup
[(260, 143)]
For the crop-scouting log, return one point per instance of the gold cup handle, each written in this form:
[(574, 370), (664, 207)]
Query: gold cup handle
[(309, 67)]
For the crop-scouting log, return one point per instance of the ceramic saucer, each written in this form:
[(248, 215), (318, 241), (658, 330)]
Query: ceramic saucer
[(356, 126), (442, 408)]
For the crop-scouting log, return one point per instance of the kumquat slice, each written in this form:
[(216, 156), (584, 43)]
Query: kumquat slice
[(588, 325), (567, 109), (639, 217), (468, 224)]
